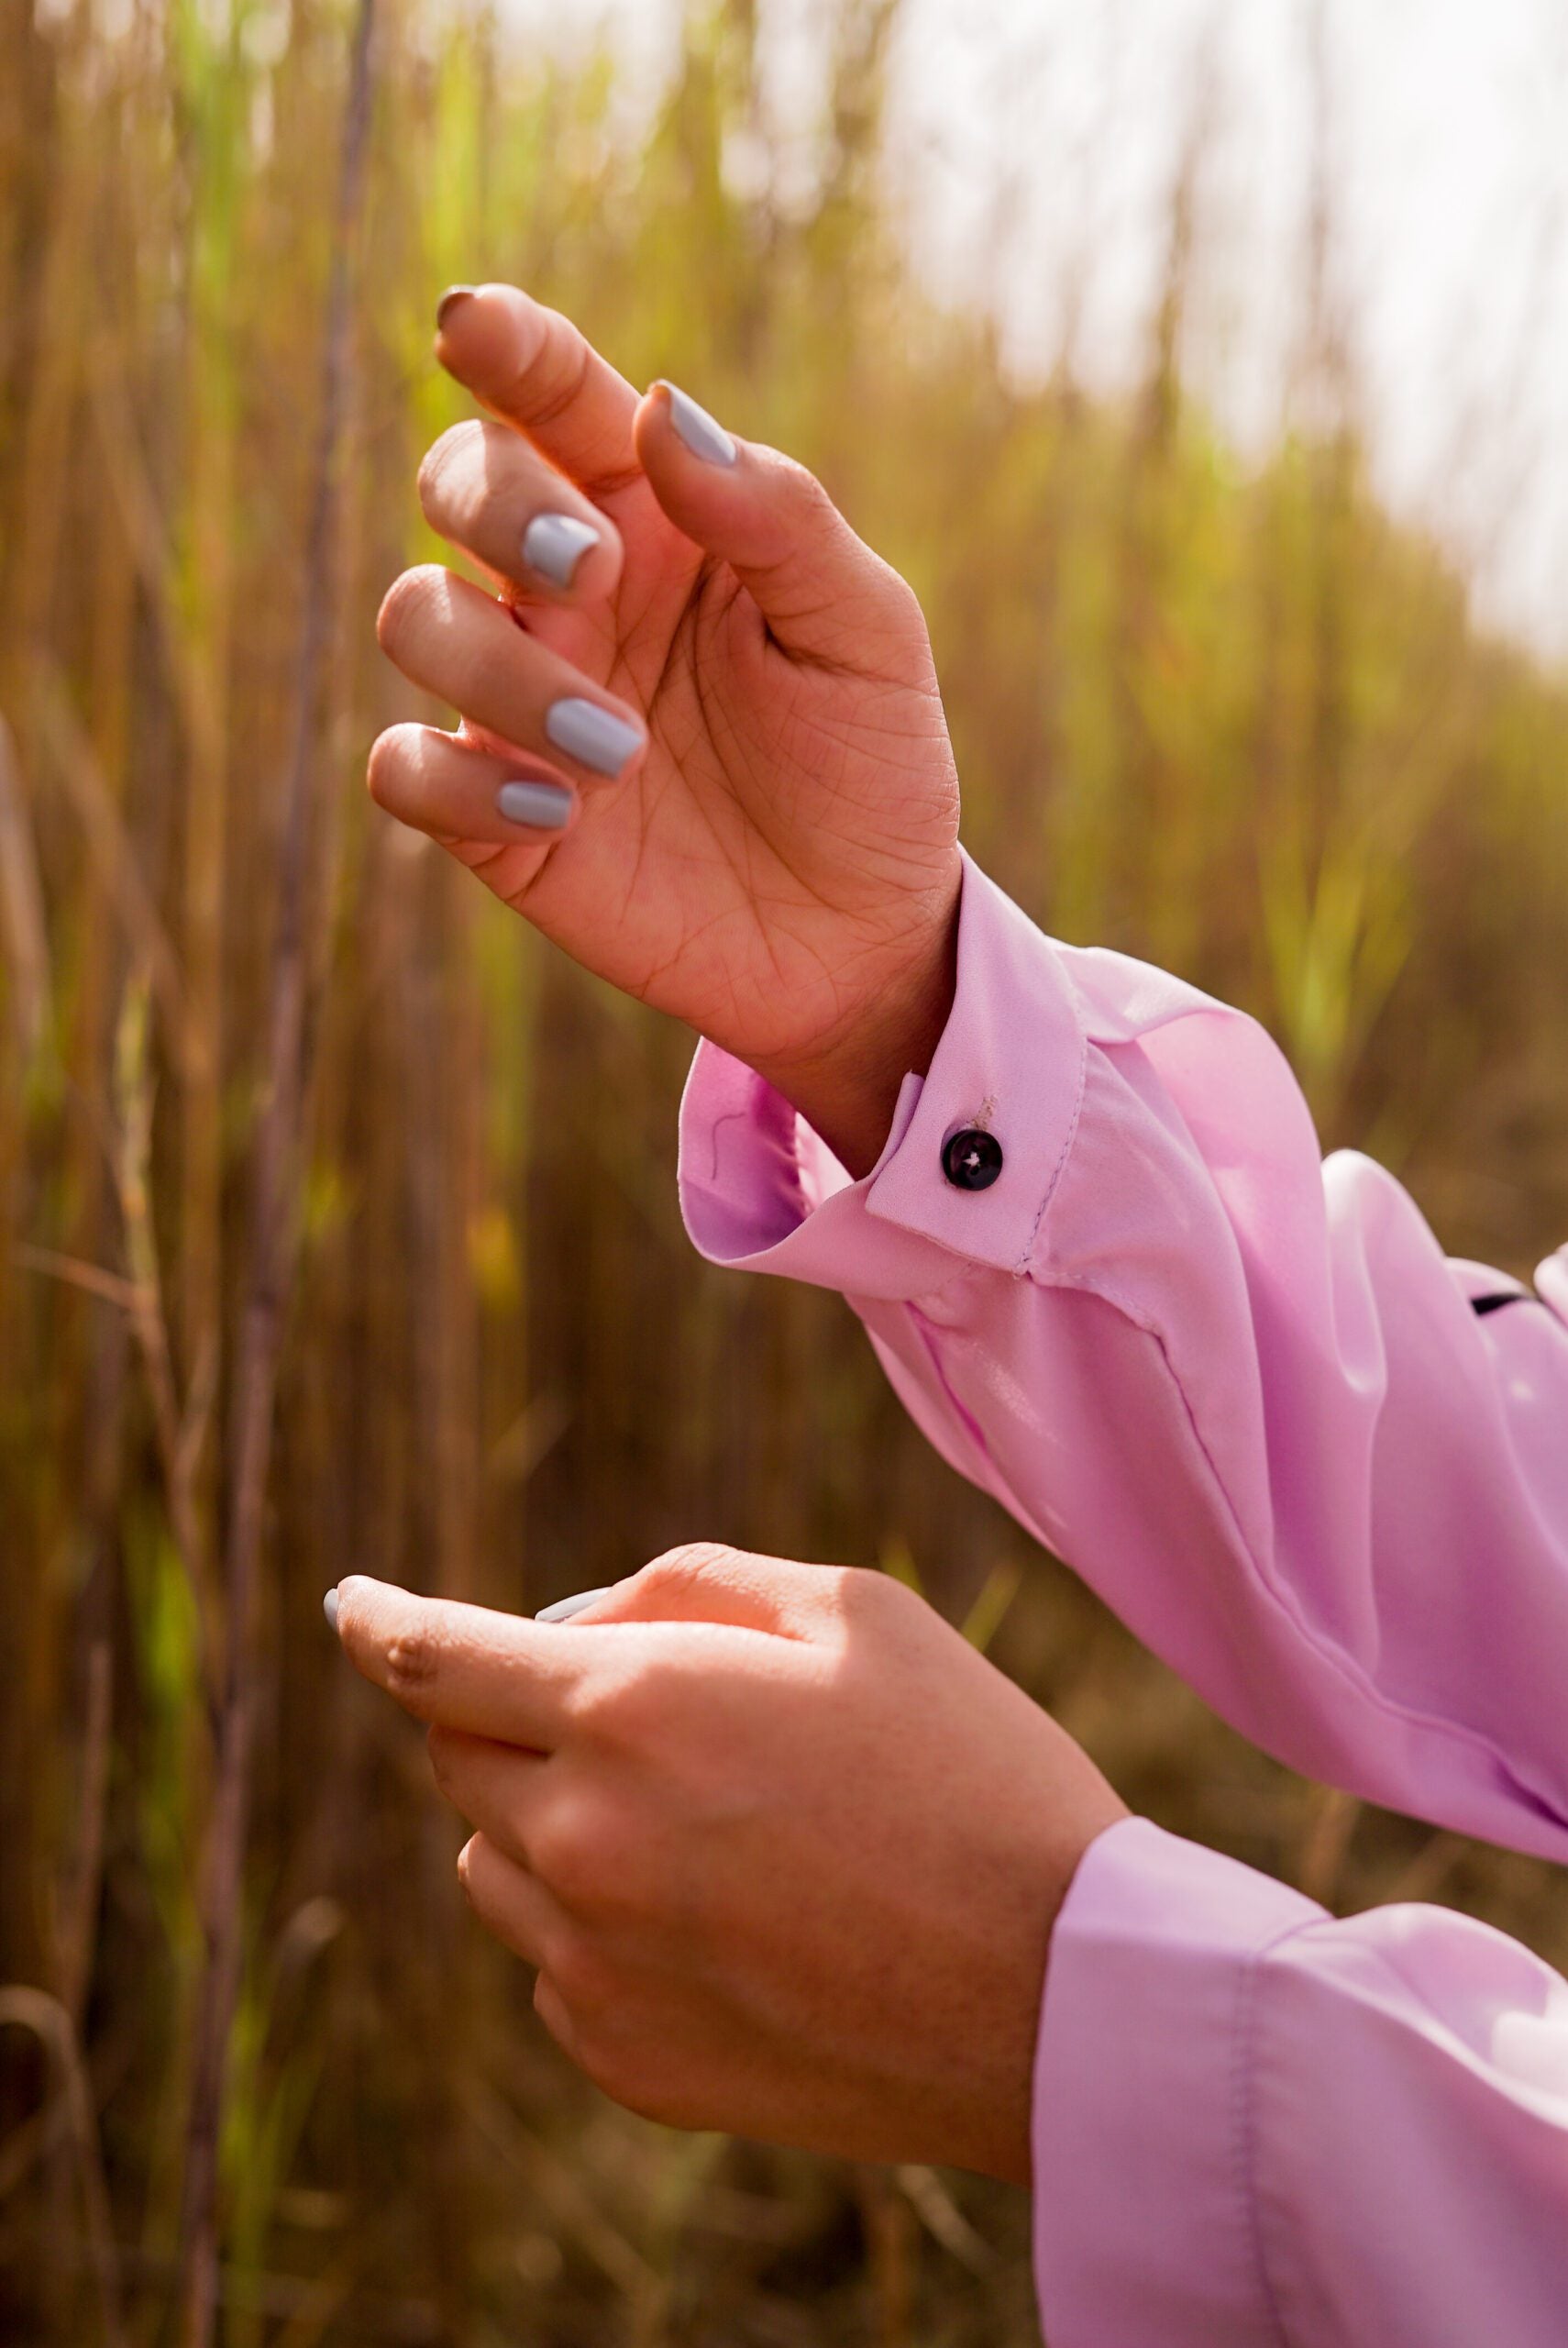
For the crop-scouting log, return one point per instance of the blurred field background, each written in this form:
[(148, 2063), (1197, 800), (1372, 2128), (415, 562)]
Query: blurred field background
[(285, 1102)]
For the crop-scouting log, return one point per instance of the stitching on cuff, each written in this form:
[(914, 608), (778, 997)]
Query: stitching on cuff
[(1243, 2076), (730, 1117), (1021, 1266)]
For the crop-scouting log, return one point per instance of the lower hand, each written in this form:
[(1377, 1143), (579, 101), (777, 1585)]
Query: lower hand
[(785, 1849), (737, 796)]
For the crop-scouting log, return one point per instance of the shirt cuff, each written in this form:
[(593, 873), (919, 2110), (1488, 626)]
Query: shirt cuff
[(1144, 2232), (761, 1191)]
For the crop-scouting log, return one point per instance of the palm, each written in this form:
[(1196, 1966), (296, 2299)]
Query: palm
[(757, 875)]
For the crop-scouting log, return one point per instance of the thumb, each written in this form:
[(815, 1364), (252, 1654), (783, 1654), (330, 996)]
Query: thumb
[(706, 1581), (824, 594)]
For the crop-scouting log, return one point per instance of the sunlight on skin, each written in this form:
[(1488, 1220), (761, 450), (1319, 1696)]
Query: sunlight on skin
[(756, 1901), (759, 1899), (776, 862)]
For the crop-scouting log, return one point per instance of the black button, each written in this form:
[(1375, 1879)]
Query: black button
[(972, 1161)]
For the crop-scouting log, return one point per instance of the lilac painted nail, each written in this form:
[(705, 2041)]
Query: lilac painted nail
[(565, 1608), (543, 805), (704, 437), (329, 1607), (596, 737), (554, 544)]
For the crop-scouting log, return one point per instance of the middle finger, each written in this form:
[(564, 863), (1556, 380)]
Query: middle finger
[(486, 491), (448, 635), (497, 1788)]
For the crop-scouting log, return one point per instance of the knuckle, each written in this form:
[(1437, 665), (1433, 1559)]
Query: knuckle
[(610, 1711), (552, 375), (555, 1846), (680, 1568), (881, 1595), (574, 1850), (866, 1596), (630, 1719), (871, 1585), (414, 1664), (796, 484)]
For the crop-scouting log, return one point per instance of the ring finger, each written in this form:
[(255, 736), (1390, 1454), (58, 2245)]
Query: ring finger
[(459, 644), (509, 1901)]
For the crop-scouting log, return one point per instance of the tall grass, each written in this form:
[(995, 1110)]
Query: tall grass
[(1234, 719)]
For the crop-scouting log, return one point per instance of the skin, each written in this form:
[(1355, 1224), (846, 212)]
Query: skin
[(780, 866), (786, 1851)]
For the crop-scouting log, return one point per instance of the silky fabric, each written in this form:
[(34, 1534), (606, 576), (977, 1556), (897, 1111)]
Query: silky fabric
[(1241, 1390)]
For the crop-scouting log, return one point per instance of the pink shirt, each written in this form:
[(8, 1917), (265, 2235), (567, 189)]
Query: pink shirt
[(1245, 1395)]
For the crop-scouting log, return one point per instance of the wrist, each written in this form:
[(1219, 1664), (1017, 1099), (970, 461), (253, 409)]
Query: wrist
[(846, 1086)]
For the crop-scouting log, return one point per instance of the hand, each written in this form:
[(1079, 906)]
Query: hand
[(763, 840), (786, 1851)]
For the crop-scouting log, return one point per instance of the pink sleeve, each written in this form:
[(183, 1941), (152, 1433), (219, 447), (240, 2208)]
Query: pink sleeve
[(1240, 1390), (1245, 1395), (1255, 2124)]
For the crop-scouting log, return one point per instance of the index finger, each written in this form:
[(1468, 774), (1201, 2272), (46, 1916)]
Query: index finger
[(492, 1674), (537, 370)]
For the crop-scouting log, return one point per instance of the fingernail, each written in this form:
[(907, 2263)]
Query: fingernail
[(703, 436), (544, 805), (329, 1607), (449, 303), (565, 1608), (595, 736), (554, 544)]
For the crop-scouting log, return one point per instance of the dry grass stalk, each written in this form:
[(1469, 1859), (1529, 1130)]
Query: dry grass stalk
[(22, 925), (1171, 677), (48, 2020), (269, 1271)]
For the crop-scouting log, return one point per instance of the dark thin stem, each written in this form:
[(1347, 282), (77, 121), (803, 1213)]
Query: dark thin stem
[(270, 1266)]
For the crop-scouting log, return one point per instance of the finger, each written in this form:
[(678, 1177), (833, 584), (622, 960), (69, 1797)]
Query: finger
[(486, 492), (492, 1674), (509, 1901), (821, 591), (535, 369), (448, 635), (705, 1581), (458, 789), (497, 1788)]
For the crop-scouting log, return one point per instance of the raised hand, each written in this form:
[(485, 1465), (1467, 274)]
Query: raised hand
[(703, 747)]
